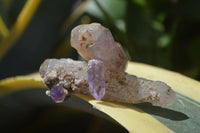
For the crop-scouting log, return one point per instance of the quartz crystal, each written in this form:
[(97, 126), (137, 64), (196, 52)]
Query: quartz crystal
[(58, 94), (93, 41), (96, 79)]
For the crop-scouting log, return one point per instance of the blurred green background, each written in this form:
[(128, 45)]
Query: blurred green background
[(163, 33)]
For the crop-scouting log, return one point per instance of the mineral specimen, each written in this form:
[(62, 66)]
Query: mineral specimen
[(103, 77), (121, 87)]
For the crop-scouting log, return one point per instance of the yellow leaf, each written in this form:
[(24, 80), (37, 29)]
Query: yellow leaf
[(132, 118), (21, 82)]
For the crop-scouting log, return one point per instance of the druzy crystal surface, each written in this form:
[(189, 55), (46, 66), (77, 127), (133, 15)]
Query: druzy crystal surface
[(58, 94), (96, 79), (93, 41)]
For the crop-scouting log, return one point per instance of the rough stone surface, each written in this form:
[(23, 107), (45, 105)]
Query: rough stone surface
[(96, 78), (93, 41), (121, 87)]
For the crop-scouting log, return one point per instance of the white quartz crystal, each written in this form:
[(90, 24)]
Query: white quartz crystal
[(93, 41)]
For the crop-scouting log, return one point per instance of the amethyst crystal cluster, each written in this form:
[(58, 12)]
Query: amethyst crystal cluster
[(102, 76)]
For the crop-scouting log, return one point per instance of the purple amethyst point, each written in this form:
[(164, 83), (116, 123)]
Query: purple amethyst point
[(96, 78), (58, 94)]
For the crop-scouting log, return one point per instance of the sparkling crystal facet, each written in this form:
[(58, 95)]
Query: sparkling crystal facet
[(96, 79), (58, 94)]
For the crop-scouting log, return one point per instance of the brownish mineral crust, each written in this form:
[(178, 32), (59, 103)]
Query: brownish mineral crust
[(120, 86)]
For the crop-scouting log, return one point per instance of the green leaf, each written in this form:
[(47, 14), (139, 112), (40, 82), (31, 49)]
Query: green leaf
[(164, 41), (32, 111), (184, 111), (115, 8)]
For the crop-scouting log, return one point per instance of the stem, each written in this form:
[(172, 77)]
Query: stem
[(4, 31), (80, 10), (22, 21)]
